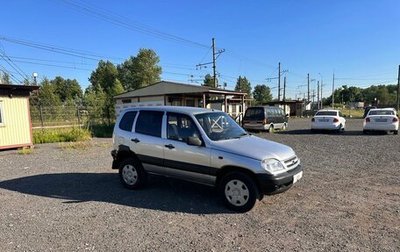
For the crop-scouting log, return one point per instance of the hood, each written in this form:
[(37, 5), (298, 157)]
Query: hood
[(255, 147)]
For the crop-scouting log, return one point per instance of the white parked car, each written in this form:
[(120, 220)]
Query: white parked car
[(328, 119), (384, 119)]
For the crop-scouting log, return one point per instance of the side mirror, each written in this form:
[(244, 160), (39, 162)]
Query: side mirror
[(195, 141)]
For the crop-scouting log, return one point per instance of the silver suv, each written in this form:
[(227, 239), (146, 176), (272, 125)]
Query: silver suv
[(202, 146)]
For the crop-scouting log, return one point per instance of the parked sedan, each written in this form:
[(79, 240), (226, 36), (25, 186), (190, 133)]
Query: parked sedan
[(384, 119), (328, 119)]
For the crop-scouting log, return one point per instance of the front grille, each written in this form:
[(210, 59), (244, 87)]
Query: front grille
[(291, 163)]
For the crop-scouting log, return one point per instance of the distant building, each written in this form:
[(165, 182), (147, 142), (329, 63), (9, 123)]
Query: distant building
[(356, 105), (166, 93), (15, 119), (293, 108)]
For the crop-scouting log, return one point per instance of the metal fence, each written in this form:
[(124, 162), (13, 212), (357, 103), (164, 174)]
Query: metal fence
[(58, 116)]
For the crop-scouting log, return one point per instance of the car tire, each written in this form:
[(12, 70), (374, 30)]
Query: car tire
[(396, 132), (365, 132), (271, 129), (132, 174), (239, 191), (341, 129)]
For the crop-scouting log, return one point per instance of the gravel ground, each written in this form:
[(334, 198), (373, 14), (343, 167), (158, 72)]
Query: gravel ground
[(64, 199)]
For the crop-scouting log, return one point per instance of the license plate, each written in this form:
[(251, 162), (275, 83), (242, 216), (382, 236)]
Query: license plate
[(297, 177), (323, 120), (380, 120)]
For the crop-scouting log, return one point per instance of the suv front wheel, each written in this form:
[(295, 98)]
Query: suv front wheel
[(239, 191), (132, 174)]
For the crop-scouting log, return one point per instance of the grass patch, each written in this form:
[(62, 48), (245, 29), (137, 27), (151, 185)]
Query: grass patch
[(25, 151), (60, 135), (75, 145)]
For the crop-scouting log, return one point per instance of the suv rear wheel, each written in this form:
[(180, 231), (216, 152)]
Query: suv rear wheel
[(132, 174), (239, 191)]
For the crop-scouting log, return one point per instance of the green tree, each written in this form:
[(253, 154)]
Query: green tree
[(105, 84), (66, 89), (262, 94), (140, 71), (243, 85), (94, 101), (209, 81), (5, 78), (104, 76)]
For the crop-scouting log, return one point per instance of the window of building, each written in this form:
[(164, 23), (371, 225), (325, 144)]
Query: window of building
[(127, 121), (126, 101), (149, 123)]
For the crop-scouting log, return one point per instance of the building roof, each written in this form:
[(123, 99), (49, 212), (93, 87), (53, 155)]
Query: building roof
[(17, 90), (173, 109), (169, 88)]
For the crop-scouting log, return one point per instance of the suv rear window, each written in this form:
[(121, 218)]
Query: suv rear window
[(149, 123), (126, 122), (254, 114)]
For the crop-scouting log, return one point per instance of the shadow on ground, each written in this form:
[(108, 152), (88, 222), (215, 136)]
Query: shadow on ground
[(159, 194), (329, 132)]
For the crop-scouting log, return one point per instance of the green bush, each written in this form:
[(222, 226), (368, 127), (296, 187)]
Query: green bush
[(60, 135), (102, 130)]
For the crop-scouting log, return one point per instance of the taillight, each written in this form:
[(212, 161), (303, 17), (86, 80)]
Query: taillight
[(367, 119), (395, 119), (313, 119), (335, 120)]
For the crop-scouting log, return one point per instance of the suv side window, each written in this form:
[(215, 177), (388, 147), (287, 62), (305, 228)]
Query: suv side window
[(126, 122), (180, 127), (149, 123)]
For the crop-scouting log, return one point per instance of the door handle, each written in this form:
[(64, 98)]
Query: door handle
[(170, 146), (135, 140)]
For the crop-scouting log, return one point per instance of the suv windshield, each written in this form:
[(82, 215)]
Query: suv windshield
[(220, 126)]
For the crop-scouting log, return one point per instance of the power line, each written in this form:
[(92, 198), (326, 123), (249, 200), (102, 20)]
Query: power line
[(10, 74), (13, 65), (56, 49), (129, 24)]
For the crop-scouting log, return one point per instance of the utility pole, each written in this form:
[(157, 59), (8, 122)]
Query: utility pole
[(398, 91), (333, 90), (284, 88), (284, 94), (318, 95), (321, 92), (279, 81), (214, 63), (308, 87)]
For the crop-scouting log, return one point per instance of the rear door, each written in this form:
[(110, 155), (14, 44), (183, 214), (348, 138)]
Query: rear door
[(147, 142)]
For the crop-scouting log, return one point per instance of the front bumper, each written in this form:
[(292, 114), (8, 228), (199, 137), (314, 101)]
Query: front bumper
[(270, 184)]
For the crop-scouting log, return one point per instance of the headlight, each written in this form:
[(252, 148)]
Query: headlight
[(272, 165)]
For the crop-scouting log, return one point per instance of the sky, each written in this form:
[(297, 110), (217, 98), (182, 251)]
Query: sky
[(356, 40)]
